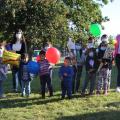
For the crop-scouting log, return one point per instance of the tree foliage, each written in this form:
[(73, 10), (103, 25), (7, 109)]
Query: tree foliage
[(44, 20)]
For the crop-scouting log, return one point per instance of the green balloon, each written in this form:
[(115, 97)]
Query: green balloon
[(95, 29)]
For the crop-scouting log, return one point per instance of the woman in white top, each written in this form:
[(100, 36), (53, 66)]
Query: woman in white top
[(18, 45)]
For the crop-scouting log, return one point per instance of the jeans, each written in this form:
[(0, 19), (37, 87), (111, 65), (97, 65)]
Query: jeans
[(78, 77), (90, 77), (45, 79), (118, 68), (26, 88), (66, 86), (1, 88), (74, 82), (103, 80), (16, 77)]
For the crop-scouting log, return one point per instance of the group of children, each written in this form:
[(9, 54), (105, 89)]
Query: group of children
[(70, 72), (98, 65)]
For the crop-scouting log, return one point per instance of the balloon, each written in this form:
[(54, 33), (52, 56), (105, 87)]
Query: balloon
[(95, 29), (11, 58), (33, 67), (118, 37), (38, 58), (114, 42), (53, 55)]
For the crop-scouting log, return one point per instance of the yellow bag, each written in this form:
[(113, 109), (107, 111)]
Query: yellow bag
[(11, 58)]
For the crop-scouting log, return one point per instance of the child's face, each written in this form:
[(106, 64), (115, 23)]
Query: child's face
[(26, 58), (66, 62), (74, 61), (42, 57)]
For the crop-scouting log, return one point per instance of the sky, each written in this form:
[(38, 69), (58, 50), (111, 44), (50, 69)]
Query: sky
[(112, 10)]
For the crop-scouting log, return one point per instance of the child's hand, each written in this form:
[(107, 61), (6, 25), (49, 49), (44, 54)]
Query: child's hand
[(91, 70), (61, 78), (65, 74), (100, 60), (113, 63)]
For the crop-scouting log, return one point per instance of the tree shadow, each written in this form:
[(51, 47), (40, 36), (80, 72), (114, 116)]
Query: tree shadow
[(103, 115), (114, 104), (23, 102)]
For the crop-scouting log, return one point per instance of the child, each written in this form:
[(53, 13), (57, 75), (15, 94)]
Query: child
[(66, 74), (45, 75), (25, 75), (90, 71), (3, 73), (104, 68)]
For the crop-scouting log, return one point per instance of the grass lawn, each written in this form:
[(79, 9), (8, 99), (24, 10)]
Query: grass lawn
[(94, 107)]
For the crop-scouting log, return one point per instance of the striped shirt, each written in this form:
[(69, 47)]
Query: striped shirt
[(44, 67)]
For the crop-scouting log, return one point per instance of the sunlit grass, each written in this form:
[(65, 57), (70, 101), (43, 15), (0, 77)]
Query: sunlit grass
[(94, 107)]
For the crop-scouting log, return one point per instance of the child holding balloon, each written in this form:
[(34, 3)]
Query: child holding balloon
[(25, 75), (66, 74), (45, 74)]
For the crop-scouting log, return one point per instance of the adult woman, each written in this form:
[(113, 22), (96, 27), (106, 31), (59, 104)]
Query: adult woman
[(117, 58), (18, 45)]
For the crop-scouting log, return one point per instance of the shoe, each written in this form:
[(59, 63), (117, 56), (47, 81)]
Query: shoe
[(83, 94), (51, 95), (98, 93), (62, 98), (91, 93), (43, 96), (2, 96), (118, 89), (27, 96), (105, 93), (22, 95), (15, 91), (69, 97)]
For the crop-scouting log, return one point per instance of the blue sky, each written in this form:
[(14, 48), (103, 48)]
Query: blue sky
[(112, 10)]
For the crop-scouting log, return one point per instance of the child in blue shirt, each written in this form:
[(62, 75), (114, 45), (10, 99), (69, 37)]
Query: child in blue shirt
[(25, 75), (66, 74)]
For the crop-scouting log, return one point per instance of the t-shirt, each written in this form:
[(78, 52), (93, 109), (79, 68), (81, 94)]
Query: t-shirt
[(44, 67), (71, 44), (17, 46)]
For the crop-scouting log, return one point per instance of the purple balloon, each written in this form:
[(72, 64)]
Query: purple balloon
[(118, 37)]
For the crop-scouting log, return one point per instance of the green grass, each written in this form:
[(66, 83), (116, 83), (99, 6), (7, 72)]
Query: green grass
[(94, 107)]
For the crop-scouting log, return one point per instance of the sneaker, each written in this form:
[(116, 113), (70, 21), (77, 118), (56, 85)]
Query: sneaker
[(118, 89), (91, 93), (27, 96), (22, 95), (83, 94), (62, 98), (98, 93), (15, 91), (43, 96), (2, 96), (106, 93), (51, 95)]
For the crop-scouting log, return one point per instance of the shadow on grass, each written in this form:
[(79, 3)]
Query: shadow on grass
[(114, 104), (104, 115), (24, 102)]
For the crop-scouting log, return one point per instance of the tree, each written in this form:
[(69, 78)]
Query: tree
[(44, 20)]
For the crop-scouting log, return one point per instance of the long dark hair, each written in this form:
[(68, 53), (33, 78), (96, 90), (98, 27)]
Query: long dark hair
[(22, 39), (14, 36)]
